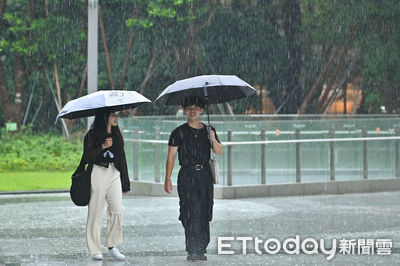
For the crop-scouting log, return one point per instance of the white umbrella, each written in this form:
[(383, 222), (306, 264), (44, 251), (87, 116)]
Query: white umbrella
[(86, 106), (213, 88)]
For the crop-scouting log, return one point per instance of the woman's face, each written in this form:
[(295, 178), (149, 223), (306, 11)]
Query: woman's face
[(113, 119), (193, 112)]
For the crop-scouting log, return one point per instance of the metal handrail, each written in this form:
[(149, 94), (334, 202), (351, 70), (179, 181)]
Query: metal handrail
[(283, 132), (152, 141), (258, 142)]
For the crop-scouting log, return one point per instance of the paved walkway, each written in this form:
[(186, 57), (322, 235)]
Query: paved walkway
[(47, 229)]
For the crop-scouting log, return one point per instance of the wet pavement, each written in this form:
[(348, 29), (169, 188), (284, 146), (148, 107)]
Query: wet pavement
[(47, 229)]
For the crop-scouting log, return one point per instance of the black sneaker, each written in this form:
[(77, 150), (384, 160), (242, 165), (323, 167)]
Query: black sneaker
[(201, 257), (191, 257)]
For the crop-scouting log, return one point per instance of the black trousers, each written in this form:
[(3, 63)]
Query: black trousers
[(196, 193)]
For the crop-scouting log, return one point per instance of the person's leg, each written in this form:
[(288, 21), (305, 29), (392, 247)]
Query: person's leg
[(194, 227), (193, 223), (185, 205), (95, 209), (114, 210), (207, 202), (191, 212), (204, 236)]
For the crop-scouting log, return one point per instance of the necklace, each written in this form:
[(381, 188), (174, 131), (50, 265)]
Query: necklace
[(196, 131)]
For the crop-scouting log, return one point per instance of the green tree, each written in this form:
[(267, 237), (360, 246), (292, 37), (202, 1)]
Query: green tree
[(331, 25), (292, 24), (33, 38)]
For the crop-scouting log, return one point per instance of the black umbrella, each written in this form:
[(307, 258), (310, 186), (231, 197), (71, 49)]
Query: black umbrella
[(213, 88)]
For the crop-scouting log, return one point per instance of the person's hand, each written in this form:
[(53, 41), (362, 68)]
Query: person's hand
[(168, 186), (107, 143), (126, 192), (213, 135)]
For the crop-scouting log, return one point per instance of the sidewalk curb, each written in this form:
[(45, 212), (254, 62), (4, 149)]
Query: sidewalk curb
[(34, 191), (141, 188)]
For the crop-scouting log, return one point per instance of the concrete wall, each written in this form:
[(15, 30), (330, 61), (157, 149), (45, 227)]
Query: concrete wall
[(279, 190)]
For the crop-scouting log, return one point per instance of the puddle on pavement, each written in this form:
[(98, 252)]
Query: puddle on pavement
[(18, 199)]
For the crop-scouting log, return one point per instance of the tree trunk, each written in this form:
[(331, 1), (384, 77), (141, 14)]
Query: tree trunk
[(44, 102), (19, 83), (83, 81), (13, 106), (58, 87), (317, 82), (292, 23), (5, 100), (149, 71), (128, 50), (2, 8), (210, 17), (108, 62), (341, 87), (337, 69), (148, 74)]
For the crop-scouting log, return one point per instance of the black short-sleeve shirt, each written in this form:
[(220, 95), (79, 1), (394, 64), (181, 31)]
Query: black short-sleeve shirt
[(193, 144)]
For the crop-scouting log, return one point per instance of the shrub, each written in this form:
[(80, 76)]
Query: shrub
[(28, 151)]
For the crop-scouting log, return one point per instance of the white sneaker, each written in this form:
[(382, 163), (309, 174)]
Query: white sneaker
[(97, 256), (116, 254)]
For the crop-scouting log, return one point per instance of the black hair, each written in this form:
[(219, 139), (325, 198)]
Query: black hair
[(192, 100), (99, 127), (101, 119)]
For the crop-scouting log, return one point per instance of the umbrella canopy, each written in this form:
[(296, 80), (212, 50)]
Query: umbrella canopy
[(88, 105), (218, 89)]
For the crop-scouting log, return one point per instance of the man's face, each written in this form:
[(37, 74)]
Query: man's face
[(193, 112)]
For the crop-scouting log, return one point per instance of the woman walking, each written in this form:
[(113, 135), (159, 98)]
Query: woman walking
[(104, 148), (195, 185)]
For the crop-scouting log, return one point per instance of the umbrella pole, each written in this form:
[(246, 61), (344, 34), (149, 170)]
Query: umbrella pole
[(206, 102), (208, 114)]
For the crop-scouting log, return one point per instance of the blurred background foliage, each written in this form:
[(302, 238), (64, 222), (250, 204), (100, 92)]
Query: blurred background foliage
[(300, 54)]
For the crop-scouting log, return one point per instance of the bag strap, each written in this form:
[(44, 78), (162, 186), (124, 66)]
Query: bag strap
[(81, 167), (212, 154), (82, 164)]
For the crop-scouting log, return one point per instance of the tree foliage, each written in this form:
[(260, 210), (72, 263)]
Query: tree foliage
[(153, 43), (327, 24)]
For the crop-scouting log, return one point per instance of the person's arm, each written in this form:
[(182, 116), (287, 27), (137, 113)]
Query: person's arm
[(172, 151), (216, 145), (126, 185), (91, 150)]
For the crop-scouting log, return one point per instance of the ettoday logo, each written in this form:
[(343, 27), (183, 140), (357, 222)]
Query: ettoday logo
[(293, 246), (273, 246)]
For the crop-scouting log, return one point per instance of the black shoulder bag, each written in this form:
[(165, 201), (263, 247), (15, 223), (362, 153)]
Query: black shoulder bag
[(80, 187)]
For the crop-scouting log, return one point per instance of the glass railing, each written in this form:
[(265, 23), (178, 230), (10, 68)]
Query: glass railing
[(279, 159)]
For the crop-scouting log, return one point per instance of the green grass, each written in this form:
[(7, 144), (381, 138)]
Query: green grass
[(17, 181)]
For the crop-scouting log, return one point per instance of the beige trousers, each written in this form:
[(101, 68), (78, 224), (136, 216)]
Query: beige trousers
[(106, 186)]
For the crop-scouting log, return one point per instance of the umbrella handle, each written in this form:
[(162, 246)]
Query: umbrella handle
[(205, 92)]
